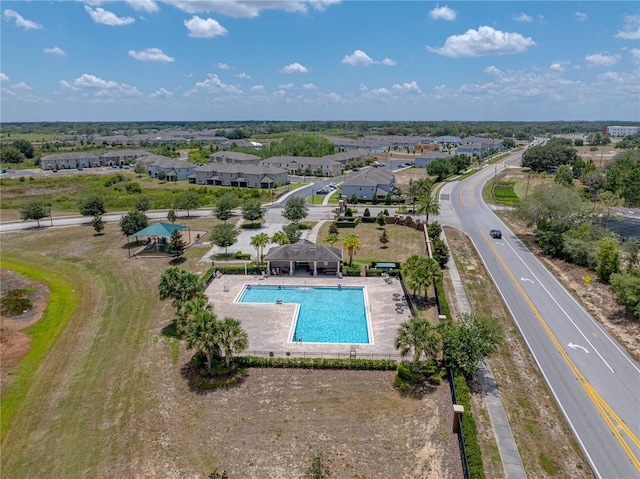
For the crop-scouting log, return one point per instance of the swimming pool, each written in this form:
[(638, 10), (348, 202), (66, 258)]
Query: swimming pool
[(325, 314)]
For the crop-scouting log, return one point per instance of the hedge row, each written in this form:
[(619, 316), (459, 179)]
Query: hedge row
[(317, 363), (442, 299), (469, 429)]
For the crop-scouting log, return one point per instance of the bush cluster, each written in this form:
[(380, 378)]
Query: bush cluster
[(317, 363), (469, 429)]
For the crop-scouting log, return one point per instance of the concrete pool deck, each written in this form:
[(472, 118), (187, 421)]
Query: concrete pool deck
[(269, 325)]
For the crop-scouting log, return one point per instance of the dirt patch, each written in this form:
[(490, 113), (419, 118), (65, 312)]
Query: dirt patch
[(14, 340)]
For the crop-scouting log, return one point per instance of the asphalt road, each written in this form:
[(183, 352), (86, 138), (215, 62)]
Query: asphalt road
[(595, 382)]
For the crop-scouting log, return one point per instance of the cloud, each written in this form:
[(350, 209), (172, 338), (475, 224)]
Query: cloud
[(443, 13), (523, 17), (634, 52), (631, 30), (21, 21), (294, 68), (103, 88), (600, 60), (144, 5), (151, 55), (223, 66), (407, 87), (4, 77), (482, 42), (581, 17), (201, 28), (558, 66), (243, 76), (161, 93), (287, 86), (21, 86), (257, 88), (389, 62), (309, 86), (213, 84), (55, 51), (105, 17), (358, 59), (492, 70), (248, 9)]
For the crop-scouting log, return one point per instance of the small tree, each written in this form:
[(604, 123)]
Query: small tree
[(34, 210), (280, 238), (98, 224), (92, 206), (387, 199), (162, 175), (380, 219), (354, 199), (181, 286), (366, 213), (253, 211), (142, 203), (259, 241), (231, 339), (292, 230), (352, 244), (202, 335), (295, 210), (384, 238), (333, 228), (224, 235), (177, 246), (140, 169), (608, 258), (171, 216), (374, 199), (133, 222), (332, 238), (187, 200), (440, 252), (224, 206)]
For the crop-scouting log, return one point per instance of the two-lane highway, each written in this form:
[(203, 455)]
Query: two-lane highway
[(595, 382)]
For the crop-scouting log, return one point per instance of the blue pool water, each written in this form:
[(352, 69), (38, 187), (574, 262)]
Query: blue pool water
[(327, 314)]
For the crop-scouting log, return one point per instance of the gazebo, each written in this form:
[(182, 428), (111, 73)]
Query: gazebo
[(158, 230), (305, 255)]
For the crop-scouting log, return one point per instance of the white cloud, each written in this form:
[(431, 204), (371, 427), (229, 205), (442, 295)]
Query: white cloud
[(484, 41), (144, 5), (21, 86), (287, 86), (55, 51), (407, 87), (188, 75), (389, 62), (248, 9), (201, 28), (294, 68), (358, 59), (634, 52), (362, 87), (257, 88), (523, 17), (581, 17), (105, 17), (443, 13), (21, 21), (4, 77), (151, 55), (309, 86), (223, 66), (161, 93), (600, 60), (558, 66), (243, 76), (213, 84), (493, 70), (103, 88), (631, 30)]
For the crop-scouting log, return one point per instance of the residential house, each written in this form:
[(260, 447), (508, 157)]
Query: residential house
[(122, 157), (175, 170), (72, 159), (239, 175), (306, 165), (234, 157), (369, 183), (421, 161), (479, 146)]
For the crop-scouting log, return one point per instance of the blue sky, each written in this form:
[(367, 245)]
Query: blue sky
[(199, 60)]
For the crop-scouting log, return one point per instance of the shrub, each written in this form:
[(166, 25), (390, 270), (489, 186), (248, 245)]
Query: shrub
[(14, 302), (241, 255), (316, 363), (373, 272), (469, 429)]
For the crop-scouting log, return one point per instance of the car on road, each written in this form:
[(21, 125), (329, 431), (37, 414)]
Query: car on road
[(356, 169), (497, 234)]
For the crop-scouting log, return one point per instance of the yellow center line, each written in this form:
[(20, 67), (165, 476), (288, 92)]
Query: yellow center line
[(615, 423)]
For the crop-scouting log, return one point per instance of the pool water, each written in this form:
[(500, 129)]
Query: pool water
[(326, 314)]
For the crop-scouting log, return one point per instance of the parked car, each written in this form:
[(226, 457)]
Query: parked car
[(496, 234)]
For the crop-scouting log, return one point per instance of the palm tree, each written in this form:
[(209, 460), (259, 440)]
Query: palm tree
[(412, 336), (418, 272), (352, 244), (280, 237), (428, 204), (203, 334), (189, 310), (231, 338), (180, 285), (259, 241)]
